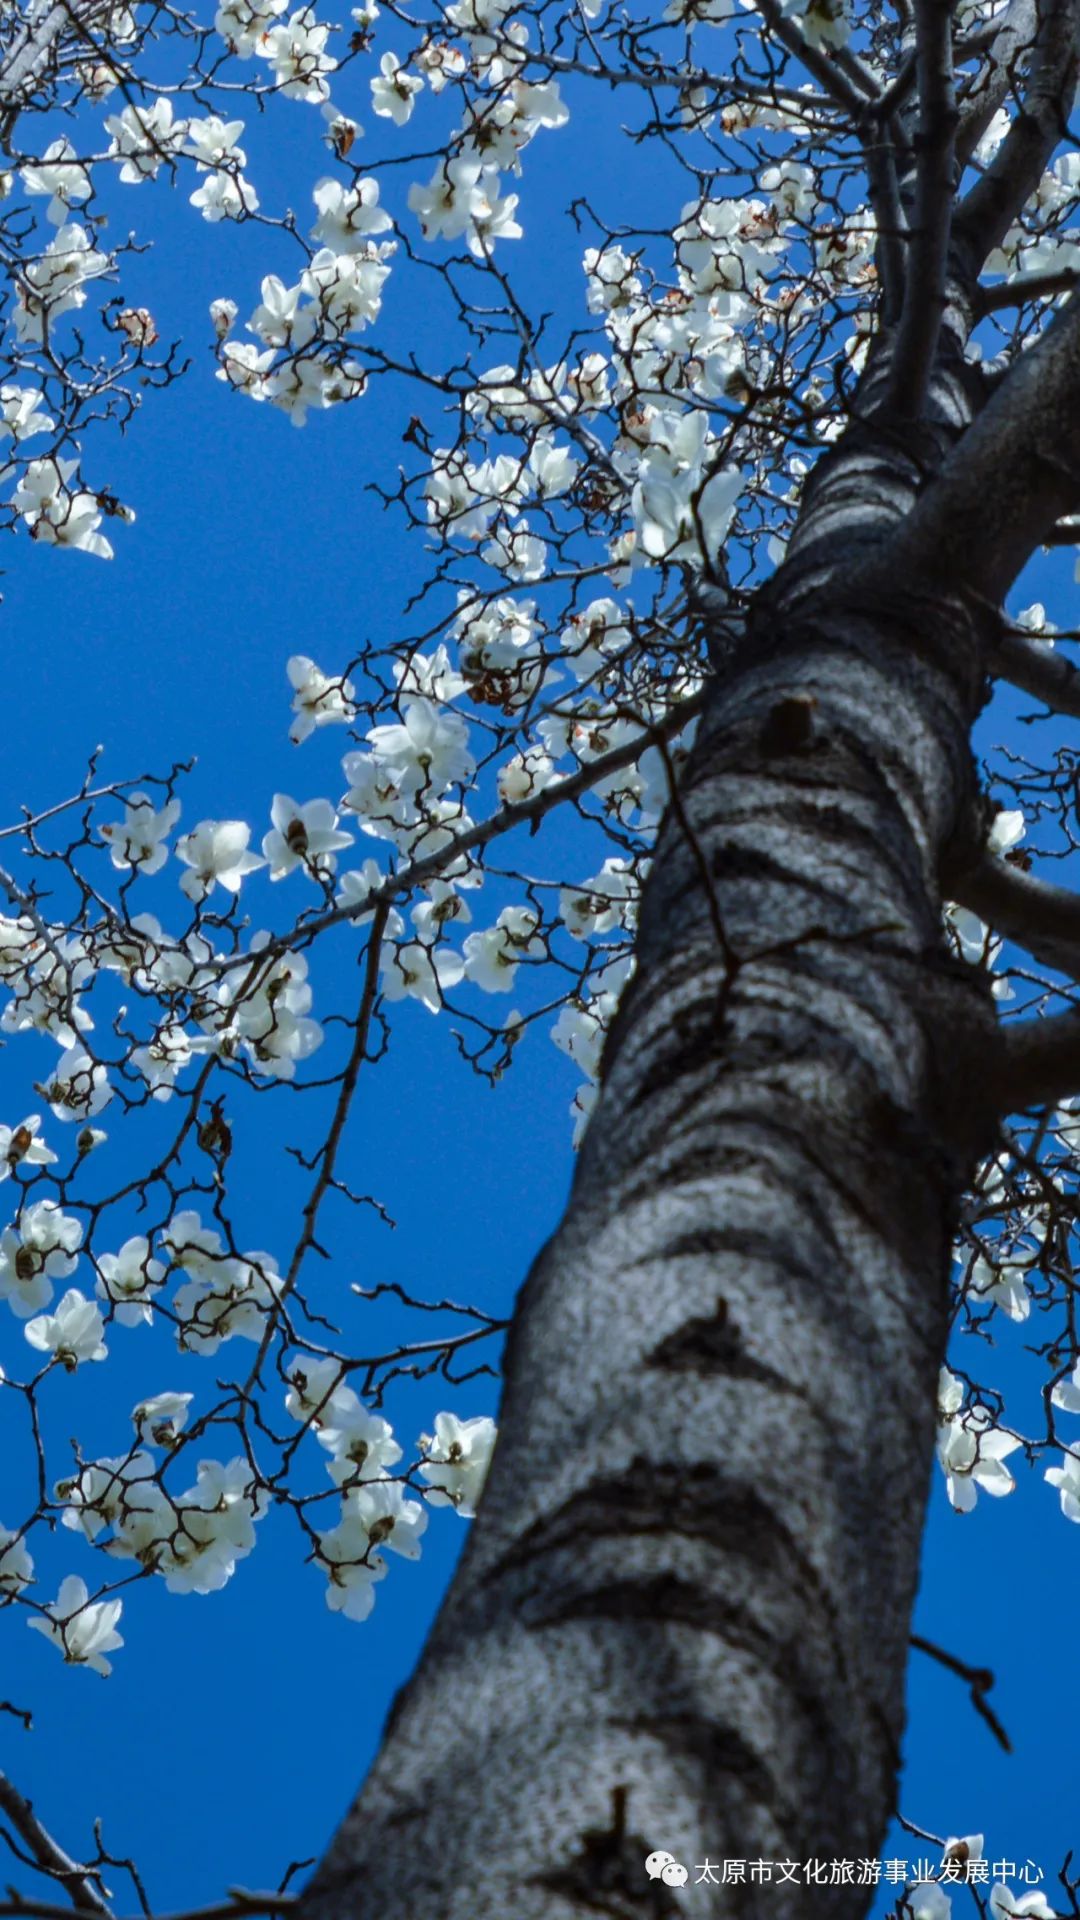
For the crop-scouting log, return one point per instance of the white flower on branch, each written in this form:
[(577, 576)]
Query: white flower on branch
[(394, 90), (425, 749), (143, 139), (84, 1631), (20, 414), (225, 196), (351, 1578), (306, 836), (53, 284), (129, 1279), (79, 1086), (23, 1146), (348, 216), (60, 175), (139, 839), (40, 1248), (160, 1419), (1066, 1479), (216, 852), (380, 1510), (971, 1448), (73, 1333), (57, 514), (492, 958), (16, 1565), (296, 51), (242, 23), (456, 1461), (319, 700)]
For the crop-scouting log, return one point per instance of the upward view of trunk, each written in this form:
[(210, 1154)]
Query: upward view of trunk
[(682, 1616)]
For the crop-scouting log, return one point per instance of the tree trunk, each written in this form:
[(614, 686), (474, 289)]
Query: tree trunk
[(681, 1620)]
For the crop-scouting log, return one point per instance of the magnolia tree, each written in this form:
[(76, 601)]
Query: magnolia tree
[(668, 755)]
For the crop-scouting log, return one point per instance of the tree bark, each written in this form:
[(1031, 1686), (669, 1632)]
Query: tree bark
[(681, 1619)]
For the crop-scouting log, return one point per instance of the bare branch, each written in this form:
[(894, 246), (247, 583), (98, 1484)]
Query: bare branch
[(979, 1679), (1026, 287), (1015, 472), (924, 288), (1040, 1062), (1017, 167), (1047, 675), (49, 1855), (1043, 919)]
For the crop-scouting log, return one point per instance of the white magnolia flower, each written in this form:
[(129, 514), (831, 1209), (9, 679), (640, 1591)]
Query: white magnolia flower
[(1002, 1281), (348, 216), (361, 1443), (418, 972), (242, 23), (346, 289), (160, 1419), (21, 414), (54, 284), (393, 93), (224, 196), (212, 143), (22, 1146), (40, 1249), (305, 836), (162, 1059), (971, 1449), (1006, 831), (316, 1390), (143, 138), (296, 51), (57, 514), (60, 175), (217, 853), (1067, 1480), (456, 1461), (351, 1577), (491, 958), (1007, 1905), (318, 699), (139, 839), (226, 1299), (425, 749), (16, 1566), (129, 1279), (73, 1333), (928, 1901), (526, 775), (380, 1509), (84, 1631), (79, 1086), (215, 1527)]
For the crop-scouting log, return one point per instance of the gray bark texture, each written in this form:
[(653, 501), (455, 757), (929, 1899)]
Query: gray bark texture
[(682, 1615)]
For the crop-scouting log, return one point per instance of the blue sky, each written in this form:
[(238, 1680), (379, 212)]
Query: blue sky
[(246, 1719)]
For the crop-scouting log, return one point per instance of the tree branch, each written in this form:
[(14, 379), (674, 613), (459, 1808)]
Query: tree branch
[(47, 1852), (1026, 287), (1040, 1062), (239, 1904), (1048, 676), (990, 88), (1016, 169), (1015, 472), (928, 250), (1041, 918), (979, 1679)]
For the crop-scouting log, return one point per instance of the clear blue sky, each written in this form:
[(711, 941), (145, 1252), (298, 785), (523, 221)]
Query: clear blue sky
[(245, 1720)]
